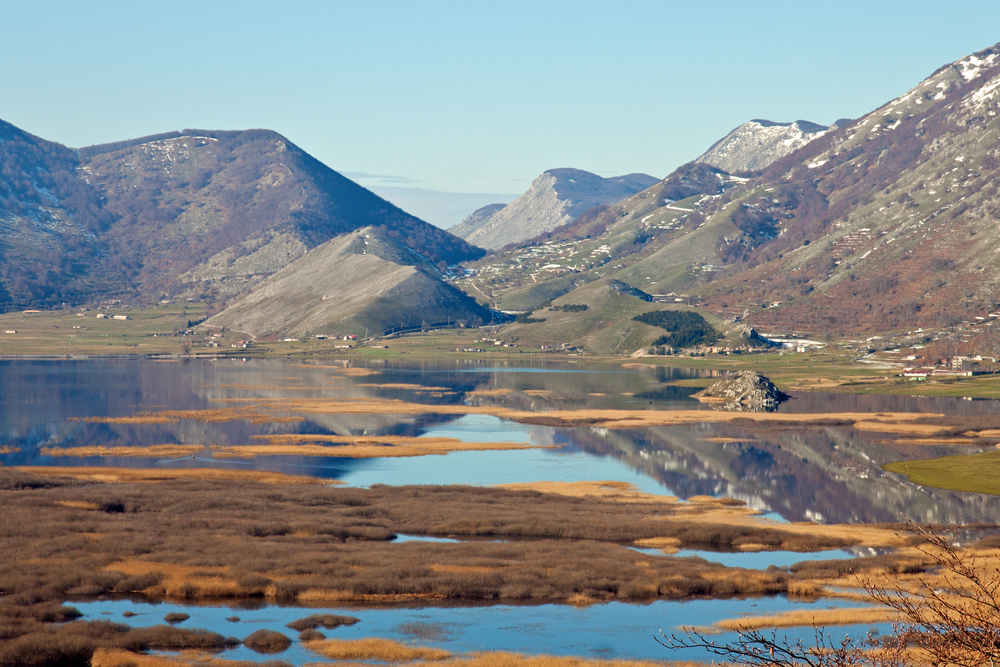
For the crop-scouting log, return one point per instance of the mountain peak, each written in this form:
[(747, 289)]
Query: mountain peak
[(555, 197), (757, 144)]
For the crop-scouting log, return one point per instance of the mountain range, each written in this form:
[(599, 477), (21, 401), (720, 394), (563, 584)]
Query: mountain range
[(882, 223), (192, 214)]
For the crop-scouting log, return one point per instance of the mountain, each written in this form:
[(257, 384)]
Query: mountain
[(759, 143), (619, 241), (554, 198), (441, 209), (193, 213), (884, 223), (207, 210), (363, 283)]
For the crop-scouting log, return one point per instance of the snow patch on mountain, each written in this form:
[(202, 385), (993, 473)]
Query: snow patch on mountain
[(757, 144)]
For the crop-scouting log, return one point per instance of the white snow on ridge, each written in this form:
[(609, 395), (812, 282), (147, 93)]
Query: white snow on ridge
[(971, 66), (987, 92)]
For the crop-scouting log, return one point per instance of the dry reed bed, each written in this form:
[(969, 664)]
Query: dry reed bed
[(814, 617), (109, 475), (373, 648), (114, 657), (363, 447), (150, 451), (208, 534), (277, 410), (403, 385), (384, 650)]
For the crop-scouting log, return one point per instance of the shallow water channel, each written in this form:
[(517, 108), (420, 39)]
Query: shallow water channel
[(824, 474)]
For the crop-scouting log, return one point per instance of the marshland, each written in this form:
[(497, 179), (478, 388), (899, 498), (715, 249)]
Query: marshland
[(453, 507)]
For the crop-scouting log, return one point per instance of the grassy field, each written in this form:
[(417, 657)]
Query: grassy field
[(976, 473), (69, 332)]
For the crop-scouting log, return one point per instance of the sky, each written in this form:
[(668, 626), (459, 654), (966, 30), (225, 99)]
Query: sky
[(468, 97)]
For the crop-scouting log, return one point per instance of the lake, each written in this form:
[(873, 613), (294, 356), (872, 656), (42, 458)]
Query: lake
[(824, 474), (828, 474)]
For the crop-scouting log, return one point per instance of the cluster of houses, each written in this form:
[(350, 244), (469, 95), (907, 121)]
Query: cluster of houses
[(496, 342), (961, 366)]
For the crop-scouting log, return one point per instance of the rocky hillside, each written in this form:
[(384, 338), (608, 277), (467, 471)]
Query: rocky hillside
[(362, 283), (759, 143), (475, 220), (623, 241), (885, 223), (192, 213), (554, 198)]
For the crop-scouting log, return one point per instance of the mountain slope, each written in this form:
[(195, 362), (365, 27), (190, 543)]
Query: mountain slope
[(554, 198), (360, 283), (188, 206), (50, 221), (759, 143), (888, 222), (475, 220), (192, 213), (610, 241)]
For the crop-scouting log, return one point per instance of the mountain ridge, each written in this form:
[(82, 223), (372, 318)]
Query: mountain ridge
[(193, 213)]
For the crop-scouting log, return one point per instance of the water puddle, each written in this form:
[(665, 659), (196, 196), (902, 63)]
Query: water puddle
[(754, 560)]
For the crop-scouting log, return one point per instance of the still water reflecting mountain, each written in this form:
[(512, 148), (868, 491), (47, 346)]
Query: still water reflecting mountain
[(821, 473)]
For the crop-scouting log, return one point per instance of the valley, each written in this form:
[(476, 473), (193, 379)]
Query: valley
[(245, 395)]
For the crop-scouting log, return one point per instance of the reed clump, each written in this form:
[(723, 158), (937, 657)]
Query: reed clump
[(371, 648), (325, 621), (267, 642)]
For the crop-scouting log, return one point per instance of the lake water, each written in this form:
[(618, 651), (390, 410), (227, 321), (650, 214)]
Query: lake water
[(828, 474), (607, 631)]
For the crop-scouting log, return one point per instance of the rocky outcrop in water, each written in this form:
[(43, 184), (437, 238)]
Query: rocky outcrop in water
[(745, 391)]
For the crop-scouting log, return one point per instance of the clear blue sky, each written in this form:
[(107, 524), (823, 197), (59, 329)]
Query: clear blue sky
[(470, 97)]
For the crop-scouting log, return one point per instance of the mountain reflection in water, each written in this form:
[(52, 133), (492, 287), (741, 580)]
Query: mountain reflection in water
[(820, 473)]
